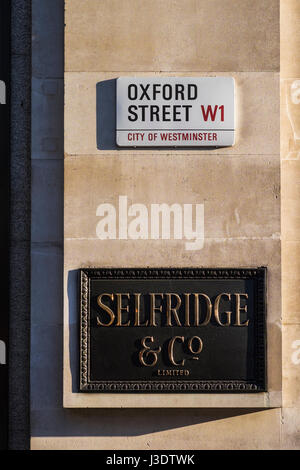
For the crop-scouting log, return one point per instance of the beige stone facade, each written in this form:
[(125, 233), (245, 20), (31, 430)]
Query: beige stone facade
[(249, 220), (290, 199)]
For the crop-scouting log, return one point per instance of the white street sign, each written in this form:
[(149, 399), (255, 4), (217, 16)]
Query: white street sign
[(175, 112)]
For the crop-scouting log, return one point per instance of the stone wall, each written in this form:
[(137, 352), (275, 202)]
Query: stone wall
[(239, 187), (290, 200)]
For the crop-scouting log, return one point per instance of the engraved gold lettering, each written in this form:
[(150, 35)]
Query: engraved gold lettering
[(173, 372), (120, 309), (153, 308), (171, 350), (208, 310), (200, 345), (147, 352), (239, 309), (216, 309), (106, 309), (187, 310), (137, 305), (172, 310)]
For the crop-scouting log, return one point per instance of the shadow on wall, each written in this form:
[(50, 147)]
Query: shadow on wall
[(74, 346), (126, 422), (106, 115)]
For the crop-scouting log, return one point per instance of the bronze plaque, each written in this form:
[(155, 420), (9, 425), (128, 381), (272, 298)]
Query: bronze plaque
[(173, 330)]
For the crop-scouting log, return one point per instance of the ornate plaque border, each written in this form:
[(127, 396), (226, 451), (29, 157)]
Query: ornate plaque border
[(196, 386)]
